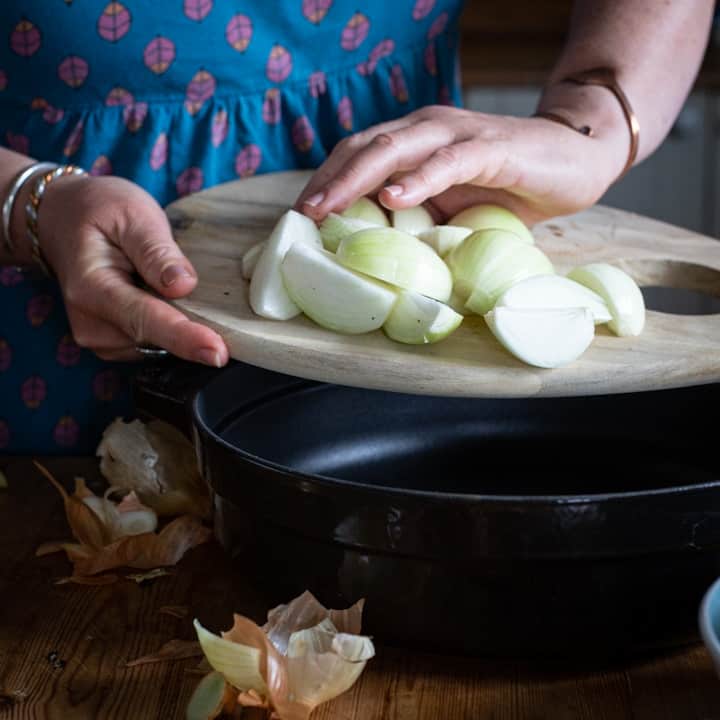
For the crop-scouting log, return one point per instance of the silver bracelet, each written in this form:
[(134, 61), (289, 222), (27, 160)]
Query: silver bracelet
[(17, 185), (32, 208)]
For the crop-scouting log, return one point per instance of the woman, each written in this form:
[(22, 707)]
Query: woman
[(160, 99)]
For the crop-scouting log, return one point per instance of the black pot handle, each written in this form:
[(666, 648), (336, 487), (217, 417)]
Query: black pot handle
[(164, 387)]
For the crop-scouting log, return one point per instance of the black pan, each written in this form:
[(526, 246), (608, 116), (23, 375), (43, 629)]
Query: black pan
[(544, 527)]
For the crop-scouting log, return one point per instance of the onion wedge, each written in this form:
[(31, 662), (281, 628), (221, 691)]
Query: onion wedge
[(268, 296), (493, 217), (619, 291), (399, 259), (554, 291), (332, 295), (417, 320), (368, 210), (335, 228), (412, 220), (488, 262), (444, 238), (250, 260), (546, 338)]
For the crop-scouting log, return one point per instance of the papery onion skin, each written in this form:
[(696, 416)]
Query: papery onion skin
[(137, 522), (156, 461), (239, 664), (323, 663)]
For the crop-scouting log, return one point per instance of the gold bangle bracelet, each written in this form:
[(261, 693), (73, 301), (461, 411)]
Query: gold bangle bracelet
[(603, 77)]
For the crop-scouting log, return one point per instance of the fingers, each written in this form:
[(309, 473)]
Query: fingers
[(339, 156), (96, 334), (148, 242), (476, 162), (103, 339), (131, 314), (368, 168), (100, 233)]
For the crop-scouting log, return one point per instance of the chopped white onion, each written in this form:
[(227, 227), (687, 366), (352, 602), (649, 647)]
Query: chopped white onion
[(444, 238), (412, 220), (554, 291), (488, 262), (492, 217), (457, 303), (416, 319), (268, 296), (368, 210), (250, 259), (332, 295), (546, 338), (335, 228), (619, 291), (399, 259)]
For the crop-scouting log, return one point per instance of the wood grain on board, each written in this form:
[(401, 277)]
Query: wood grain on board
[(215, 228)]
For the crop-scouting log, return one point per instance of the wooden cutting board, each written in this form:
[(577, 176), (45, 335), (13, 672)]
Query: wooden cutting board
[(216, 226)]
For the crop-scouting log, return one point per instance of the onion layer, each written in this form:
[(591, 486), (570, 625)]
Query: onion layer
[(544, 338), (268, 296), (399, 259), (493, 217), (488, 262), (619, 291), (417, 320), (332, 295)]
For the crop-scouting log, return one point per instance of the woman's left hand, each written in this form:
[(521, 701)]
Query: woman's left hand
[(450, 159)]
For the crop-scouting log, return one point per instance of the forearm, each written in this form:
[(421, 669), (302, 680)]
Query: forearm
[(655, 49), (11, 163)]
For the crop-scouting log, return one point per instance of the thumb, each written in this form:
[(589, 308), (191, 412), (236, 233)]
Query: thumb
[(150, 246)]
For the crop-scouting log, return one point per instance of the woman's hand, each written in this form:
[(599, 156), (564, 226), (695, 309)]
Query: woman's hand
[(96, 233), (451, 158)]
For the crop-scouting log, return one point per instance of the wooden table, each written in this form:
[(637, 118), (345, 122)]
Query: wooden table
[(95, 630)]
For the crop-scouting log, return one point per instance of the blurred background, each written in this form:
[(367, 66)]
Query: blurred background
[(509, 47)]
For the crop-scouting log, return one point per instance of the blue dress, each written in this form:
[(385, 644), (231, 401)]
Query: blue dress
[(177, 96)]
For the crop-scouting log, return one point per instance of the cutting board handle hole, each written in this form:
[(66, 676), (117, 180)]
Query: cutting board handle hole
[(676, 287)]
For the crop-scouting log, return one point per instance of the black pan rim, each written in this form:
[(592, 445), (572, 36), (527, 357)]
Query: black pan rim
[(325, 482)]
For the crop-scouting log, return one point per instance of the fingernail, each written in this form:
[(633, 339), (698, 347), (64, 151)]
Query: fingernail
[(173, 273), (394, 190), (315, 200), (208, 356)]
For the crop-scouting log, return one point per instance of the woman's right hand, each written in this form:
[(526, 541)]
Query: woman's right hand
[(96, 232)]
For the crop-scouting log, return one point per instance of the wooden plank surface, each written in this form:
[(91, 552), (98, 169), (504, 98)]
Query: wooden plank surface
[(215, 227), (94, 630)]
